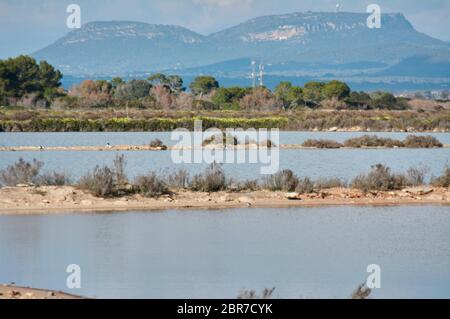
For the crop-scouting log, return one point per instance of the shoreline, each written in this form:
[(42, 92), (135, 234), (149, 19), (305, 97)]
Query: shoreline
[(17, 292), (67, 199)]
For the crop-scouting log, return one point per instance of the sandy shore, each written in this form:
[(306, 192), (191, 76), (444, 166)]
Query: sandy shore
[(13, 292), (53, 199), (118, 148)]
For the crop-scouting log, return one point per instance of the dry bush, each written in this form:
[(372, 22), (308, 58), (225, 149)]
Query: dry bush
[(267, 143), (251, 294), (284, 180), (305, 186), (372, 141), (178, 180), (150, 185), (213, 179), (443, 180), (53, 179), (221, 139), (119, 170), (157, 143), (322, 144), (380, 178), (162, 96), (326, 183), (100, 182), (414, 141), (362, 292), (416, 176), (258, 99), (21, 172)]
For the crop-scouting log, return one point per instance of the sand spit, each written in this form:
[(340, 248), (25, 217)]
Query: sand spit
[(13, 292), (118, 148), (67, 199)]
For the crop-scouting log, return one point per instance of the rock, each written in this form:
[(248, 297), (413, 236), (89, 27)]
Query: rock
[(333, 129), (293, 196), (46, 201), (419, 191)]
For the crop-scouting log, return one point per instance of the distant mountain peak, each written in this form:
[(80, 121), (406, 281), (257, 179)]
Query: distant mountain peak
[(119, 47)]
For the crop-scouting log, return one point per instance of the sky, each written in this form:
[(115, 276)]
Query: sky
[(29, 25)]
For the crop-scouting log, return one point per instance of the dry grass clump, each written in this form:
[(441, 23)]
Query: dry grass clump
[(251, 294), (327, 183), (284, 180), (414, 141), (380, 178), (157, 143), (213, 179), (150, 185), (23, 172), (106, 181), (322, 144), (268, 144), (287, 181), (221, 139), (443, 180), (362, 292), (372, 141)]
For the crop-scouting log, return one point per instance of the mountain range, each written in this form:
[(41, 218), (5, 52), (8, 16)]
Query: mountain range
[(290, 43)]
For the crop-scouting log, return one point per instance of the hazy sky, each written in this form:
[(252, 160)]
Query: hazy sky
[(28, 25)]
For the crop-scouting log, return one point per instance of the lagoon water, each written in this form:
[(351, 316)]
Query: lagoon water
[(303, 252), (341, 163)]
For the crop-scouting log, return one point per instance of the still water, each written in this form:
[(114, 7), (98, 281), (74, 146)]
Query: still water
[(341, 163), (303, 252)]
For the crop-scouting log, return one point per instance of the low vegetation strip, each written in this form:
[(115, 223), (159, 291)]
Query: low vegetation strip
[(112, 181), (121, 120), (367, 141), (232, 142)]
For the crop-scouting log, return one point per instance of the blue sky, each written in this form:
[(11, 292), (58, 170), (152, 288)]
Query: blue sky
[(28, 25)]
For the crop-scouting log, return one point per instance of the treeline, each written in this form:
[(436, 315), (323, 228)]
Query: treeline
[(25, 82)]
